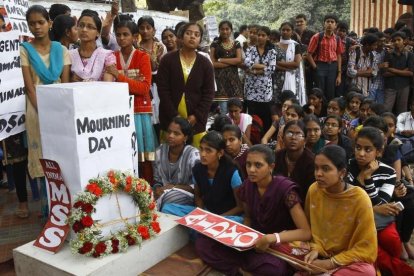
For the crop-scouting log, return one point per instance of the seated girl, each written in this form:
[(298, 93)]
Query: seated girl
[(378, 180), (271, 206), (296, 161), (353, 103), (316, 101), (278, 124), (173, 163), (242, 120), (332, 131), (314, 138), (356, 124), (337, 106), (343, 236), (235, 148), (216, 181), (293, 112)]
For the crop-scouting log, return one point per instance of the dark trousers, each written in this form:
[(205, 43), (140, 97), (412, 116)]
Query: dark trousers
[(19, 175), (261, 109), (405, 223), (326, 77)]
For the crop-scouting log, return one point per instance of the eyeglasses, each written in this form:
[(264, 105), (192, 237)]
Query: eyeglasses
[(328, 125), (88, 27), (298, 135)]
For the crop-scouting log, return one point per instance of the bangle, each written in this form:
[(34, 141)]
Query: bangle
[(334, 264), (277, 238)]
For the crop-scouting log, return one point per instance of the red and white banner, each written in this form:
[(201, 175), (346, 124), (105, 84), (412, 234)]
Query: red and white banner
[(56, 229), (223, 230)]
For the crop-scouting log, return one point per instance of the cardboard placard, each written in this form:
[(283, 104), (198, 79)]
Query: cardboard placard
[(87, 128), (225, 231), (12, 94), (16, 12), (56, 229)]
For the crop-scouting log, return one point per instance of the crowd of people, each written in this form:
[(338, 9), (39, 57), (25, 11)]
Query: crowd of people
[(297, 134)]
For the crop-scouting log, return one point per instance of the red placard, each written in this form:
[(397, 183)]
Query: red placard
[(56, 229), (223, 230)]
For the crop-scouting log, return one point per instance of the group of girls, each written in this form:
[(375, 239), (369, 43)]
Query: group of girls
[(217, 170)]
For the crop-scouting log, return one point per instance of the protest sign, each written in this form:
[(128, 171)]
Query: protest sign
[(56, 229), (16, 12), (12, 94), (223, 230), (86, 128)]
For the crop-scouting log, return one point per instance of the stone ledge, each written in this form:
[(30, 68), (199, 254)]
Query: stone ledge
[(30, 260)]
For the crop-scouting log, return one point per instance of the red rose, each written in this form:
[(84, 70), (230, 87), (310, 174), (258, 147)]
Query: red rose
[(87, 207), (112, 180), (128, 187), (152, 205), (111, 174), (100, 248), (115, 249), (154, 217), (155, 226), (77, 227), (129, 180), (96, 255), (87, 221), (87, 247), (115, 242), (138, 188), (78, 204), (131, 240), (143, 231), (94, 189)]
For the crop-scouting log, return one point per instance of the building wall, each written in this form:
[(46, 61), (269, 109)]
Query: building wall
[(375, 13)]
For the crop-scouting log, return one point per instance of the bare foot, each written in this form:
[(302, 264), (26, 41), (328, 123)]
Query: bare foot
[(409, 249)]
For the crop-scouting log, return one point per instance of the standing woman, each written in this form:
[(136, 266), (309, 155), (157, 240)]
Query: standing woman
[(186, 83), (133, 67), (289, 73), (90, 61), (261, 63), (169, 39), (64, 30), (226, 55), (146, 29), (43, 62), (295, 160)]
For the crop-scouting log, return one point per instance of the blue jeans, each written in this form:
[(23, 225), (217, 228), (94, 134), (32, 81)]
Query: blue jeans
[(326, 78), (377, 95)]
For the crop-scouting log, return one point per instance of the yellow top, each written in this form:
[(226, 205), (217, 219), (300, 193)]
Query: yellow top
[(342, 225)]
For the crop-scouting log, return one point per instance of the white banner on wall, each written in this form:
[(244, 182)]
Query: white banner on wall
[(12, 95)]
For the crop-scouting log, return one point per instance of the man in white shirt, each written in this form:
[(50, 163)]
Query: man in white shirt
[(244, 34), (405, 122)]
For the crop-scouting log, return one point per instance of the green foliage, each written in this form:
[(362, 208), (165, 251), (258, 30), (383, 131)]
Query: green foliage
[(272, 13)]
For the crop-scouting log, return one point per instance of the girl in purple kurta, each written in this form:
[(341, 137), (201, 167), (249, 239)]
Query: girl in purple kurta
[(271, 206)]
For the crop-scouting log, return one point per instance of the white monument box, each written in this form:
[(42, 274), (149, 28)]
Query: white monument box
[(86, 128)]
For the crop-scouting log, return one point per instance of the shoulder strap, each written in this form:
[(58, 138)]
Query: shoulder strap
[(320, 37), (357, 55)]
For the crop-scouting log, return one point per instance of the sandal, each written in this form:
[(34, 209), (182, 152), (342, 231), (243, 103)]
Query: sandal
[(22, 213)]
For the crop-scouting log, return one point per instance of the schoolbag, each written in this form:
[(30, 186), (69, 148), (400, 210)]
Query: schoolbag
[(256, 130), (321, 34)]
